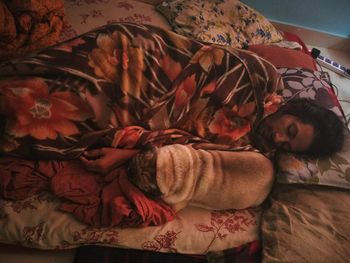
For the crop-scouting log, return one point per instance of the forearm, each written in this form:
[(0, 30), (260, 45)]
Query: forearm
[(104, 160), (127, 154)]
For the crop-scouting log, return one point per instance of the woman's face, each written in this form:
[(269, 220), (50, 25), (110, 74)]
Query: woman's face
[(287, 132)]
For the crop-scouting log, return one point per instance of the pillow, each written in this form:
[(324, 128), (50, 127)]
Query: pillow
[(306, 224), (83, 17), (227, 22), (332, 171), (283, 57), (295, 38)]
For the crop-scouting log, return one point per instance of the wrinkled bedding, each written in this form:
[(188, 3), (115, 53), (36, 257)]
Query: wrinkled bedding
[(110, 88)]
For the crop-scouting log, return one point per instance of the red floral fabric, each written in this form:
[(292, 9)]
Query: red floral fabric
[(85, 194)]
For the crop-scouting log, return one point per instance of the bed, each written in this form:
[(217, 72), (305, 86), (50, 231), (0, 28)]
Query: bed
[(304, 218)]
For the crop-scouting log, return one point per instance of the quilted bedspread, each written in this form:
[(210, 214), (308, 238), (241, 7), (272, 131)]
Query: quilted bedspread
[(126, 86)]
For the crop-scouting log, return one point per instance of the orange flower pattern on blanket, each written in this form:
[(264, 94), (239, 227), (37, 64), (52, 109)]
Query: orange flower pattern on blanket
[(272, 103), (128, 137), (185, 91), (228, 128), (34, 111), (207, 56), (116, 60), (171, 68)]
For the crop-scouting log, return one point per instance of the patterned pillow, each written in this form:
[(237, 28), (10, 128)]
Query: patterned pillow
[(228, 22), (333, 171)]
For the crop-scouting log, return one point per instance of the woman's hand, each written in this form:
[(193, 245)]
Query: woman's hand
[(106, 159)]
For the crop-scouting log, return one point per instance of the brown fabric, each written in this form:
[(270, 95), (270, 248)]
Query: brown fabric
[(307, 224), (29, 25), (7, 24)]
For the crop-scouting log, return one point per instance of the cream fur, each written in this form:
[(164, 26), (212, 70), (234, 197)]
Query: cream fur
[(212, 179)]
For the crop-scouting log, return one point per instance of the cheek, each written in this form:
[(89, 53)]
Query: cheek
[(278, 125)]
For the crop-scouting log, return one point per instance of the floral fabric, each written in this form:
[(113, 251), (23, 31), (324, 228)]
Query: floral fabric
[(224, 22), (332, 171), (103, 89), (36, 222)]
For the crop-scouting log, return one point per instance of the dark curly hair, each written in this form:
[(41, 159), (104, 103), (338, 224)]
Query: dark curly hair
[(328, 127)]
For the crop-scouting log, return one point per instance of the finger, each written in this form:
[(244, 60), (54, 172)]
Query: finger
[(97, 166), (90, 165), (93, 153)]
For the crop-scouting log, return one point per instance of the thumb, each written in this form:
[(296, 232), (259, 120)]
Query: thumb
[(93, 153)]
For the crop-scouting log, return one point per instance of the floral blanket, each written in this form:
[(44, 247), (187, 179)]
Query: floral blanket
[(126, 86), (27, 26)]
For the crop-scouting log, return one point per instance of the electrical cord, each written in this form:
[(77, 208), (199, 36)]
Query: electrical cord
[(326, 77)]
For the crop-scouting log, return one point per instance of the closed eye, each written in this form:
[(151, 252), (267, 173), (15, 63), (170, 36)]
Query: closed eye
[(292, 131)]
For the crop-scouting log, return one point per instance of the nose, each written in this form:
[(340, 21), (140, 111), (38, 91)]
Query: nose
[(280, 138)]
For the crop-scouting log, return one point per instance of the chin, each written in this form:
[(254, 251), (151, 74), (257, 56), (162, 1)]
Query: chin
[(260, 142)]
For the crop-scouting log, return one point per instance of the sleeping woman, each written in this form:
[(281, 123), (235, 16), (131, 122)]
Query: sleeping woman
[(215, 176), (192, 124)]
